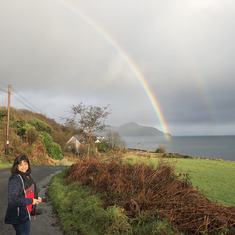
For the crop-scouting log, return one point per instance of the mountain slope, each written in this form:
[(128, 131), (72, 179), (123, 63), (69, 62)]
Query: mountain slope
[(133, 129)]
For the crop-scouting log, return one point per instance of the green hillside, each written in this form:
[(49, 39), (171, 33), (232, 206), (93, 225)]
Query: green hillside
[(34, 134)]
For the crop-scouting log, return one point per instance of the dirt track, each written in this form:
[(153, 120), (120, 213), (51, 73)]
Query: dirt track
[(46, 222)]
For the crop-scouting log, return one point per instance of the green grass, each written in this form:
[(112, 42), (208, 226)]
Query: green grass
[(5, 164), (215, 178), (80, 210)]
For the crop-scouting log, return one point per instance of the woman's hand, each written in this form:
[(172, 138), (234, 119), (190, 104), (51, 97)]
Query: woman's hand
[(36, 201)]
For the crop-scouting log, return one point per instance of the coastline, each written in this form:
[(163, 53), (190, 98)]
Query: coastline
[(177, 155), (211, 147)]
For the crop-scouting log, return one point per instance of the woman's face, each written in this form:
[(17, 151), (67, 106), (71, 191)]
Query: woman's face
[(23, 166)]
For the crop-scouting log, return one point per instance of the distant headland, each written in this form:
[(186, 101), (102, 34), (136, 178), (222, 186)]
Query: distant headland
[(132, 129)]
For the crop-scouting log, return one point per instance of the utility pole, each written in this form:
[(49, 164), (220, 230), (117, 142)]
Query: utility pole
[(8, 118)]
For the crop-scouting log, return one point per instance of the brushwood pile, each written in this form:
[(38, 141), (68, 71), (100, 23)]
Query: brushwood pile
[(142, 188)]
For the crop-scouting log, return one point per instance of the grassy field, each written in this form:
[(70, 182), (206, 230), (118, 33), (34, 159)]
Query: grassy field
[(215, 178)]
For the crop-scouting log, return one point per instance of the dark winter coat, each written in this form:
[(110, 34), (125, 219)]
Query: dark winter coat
[(17, 211)]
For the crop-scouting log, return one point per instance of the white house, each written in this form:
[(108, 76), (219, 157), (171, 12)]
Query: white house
[(74, 142), (99, 139)]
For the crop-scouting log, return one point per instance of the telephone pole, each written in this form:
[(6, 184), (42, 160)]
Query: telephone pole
[(8, 118)]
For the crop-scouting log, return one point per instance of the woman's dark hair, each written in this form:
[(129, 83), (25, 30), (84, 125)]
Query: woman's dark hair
[(17, 161)]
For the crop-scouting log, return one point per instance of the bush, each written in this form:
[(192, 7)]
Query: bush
[(56, 151), (161, 149), (40, 125), (81, 212), (53, 149), (103, 147), (139, 188), (32, 135), (3, 115), (20, 125), (60, 138)]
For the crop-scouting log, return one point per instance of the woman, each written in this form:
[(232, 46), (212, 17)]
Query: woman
[(22, 196)]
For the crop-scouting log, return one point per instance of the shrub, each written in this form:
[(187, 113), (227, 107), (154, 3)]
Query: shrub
[(141, 190), (161, 149), (103, 147), (32, 135), (81, 212), (53, 149), (20, 125), (40, 125), (60, 138), (3, 115), (56, 151), (46, 139)]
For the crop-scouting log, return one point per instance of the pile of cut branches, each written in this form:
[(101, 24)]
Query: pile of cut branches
[(141, 188)]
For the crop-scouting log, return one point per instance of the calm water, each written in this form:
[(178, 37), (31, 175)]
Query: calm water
[(221, 147)]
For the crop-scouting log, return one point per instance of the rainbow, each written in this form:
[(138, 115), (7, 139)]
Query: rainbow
[(126, 58), (202, 87)]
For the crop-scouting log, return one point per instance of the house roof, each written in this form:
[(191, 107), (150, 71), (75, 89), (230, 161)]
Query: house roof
[(76, 137)]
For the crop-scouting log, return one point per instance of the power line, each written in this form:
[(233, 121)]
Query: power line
[(3, 90), (20, 98), (25, 102), (3, 83), (5, 86)]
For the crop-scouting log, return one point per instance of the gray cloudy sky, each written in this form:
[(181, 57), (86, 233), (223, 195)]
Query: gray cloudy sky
[(54, 58)]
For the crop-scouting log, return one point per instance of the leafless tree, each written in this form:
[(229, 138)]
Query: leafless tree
[(89, 119), (114, 139)]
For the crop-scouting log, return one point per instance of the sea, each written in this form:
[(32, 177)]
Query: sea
[(213, 147)]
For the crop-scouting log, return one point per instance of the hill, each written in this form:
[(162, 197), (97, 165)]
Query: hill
[(133, 129), (32, 134)]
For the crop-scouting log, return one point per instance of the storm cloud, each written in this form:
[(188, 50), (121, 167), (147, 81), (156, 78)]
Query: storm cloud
[(57, 53)]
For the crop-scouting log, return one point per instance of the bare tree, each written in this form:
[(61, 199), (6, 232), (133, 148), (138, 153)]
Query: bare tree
[(90, 119), (114, 139)]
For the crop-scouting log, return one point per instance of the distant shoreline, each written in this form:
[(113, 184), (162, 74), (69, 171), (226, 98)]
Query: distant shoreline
[(212, 147), (180, 155)]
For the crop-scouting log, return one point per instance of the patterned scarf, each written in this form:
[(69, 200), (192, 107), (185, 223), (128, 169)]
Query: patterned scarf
[(28, 181)]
